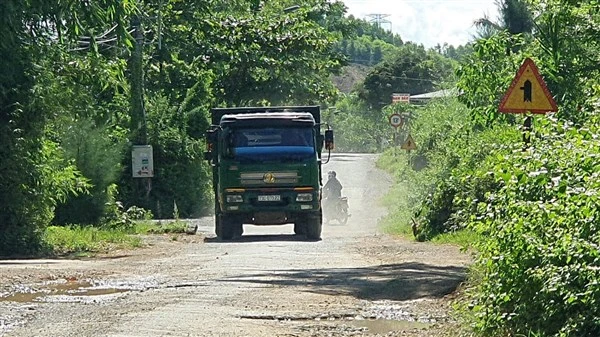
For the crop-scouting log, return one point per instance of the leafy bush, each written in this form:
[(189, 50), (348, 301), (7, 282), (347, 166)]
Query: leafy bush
[(115, 215), (460, 186), (29, 200), (138, 213), (437, 194), (181, 175), (540, 264), (357, 128), (97, 157)]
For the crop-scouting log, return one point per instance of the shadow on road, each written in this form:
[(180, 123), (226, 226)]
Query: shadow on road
[(400, 282), (261, 238)]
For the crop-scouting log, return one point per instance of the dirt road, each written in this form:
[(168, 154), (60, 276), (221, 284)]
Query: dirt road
[(356, 281)]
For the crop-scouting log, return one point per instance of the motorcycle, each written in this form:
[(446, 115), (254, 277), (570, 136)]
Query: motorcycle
[(336, 209)]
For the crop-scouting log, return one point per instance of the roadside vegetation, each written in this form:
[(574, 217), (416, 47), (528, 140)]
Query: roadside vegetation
[(88, 240), (530, 211), (77, 92), (121, 230)]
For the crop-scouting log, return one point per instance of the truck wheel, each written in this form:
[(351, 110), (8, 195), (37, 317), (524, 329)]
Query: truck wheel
[(219, 226), (230, 227), (314, 225), (218, 220), (238, 229), (299, 228)]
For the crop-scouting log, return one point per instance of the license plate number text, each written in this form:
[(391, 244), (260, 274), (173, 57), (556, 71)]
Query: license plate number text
[(269, 198)]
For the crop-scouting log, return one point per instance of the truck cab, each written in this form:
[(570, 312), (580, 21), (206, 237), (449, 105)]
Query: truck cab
[(266, 164)]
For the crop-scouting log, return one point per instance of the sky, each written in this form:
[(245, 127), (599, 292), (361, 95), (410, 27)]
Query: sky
[(427, 22)]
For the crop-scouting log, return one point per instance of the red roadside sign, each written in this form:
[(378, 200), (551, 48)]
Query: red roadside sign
[(396, 120)]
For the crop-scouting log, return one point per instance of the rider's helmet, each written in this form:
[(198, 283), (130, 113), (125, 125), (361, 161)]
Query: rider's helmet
[(331, 174)]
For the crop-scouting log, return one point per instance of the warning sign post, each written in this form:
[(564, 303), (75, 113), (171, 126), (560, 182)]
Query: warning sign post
[(409, 144), (528, 92)]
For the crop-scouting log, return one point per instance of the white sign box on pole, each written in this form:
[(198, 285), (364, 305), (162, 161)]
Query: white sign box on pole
[(142, 162)]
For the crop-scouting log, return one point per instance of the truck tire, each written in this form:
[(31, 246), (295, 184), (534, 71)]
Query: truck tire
[(314, 225), (228, 227), (299, 228), (218, 226), (218, 220)]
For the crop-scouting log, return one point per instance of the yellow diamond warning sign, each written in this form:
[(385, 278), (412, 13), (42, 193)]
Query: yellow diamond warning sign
[(528, 92), (409, 144)]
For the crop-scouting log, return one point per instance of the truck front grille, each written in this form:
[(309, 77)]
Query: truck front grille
[(268, 178)]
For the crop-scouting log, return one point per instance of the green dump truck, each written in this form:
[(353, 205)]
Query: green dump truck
[(266, 165)]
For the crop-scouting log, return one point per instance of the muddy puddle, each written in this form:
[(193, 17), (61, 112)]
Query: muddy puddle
[(70, 291)]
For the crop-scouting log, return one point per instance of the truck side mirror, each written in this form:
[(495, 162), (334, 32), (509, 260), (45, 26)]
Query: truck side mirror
[(211, 138), (329, 145)]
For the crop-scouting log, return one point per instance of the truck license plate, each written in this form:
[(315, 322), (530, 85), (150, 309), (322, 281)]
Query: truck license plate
[(269, 198)]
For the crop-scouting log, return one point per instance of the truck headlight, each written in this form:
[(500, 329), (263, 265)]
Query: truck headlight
[(303, 197), (232, 198)]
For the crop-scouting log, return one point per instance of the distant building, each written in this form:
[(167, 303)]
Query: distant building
[(400, 98), (426, 97)]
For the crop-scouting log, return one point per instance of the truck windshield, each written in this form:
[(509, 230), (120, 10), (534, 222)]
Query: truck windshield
[(272, 144)]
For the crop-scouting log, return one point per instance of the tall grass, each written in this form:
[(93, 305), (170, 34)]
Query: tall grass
[(87, 239)]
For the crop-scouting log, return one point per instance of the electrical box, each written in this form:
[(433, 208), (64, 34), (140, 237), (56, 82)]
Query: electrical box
[(142, 162)]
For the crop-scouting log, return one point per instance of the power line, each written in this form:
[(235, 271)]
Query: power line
[(378, 19)]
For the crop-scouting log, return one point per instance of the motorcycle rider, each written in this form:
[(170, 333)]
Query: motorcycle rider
[(332, 191)]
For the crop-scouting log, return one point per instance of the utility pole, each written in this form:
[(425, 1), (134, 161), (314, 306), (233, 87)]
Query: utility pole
[(142, 166), (138, 112)]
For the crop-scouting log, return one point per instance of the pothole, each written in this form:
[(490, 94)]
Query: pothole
[(70, 291), (347, 322), (301, 317), (379, 327), (86, 291), (421, 311)]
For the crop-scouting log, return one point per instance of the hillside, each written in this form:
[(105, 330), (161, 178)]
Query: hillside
[(351, 75)]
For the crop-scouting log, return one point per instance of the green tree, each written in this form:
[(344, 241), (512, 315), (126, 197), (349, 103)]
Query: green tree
[(376, 55), (515, 17), (85, 96), (277, 57), (485, 75), (568, 36), (207, 53), (32, 175), (412, 70), (370, 29)]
